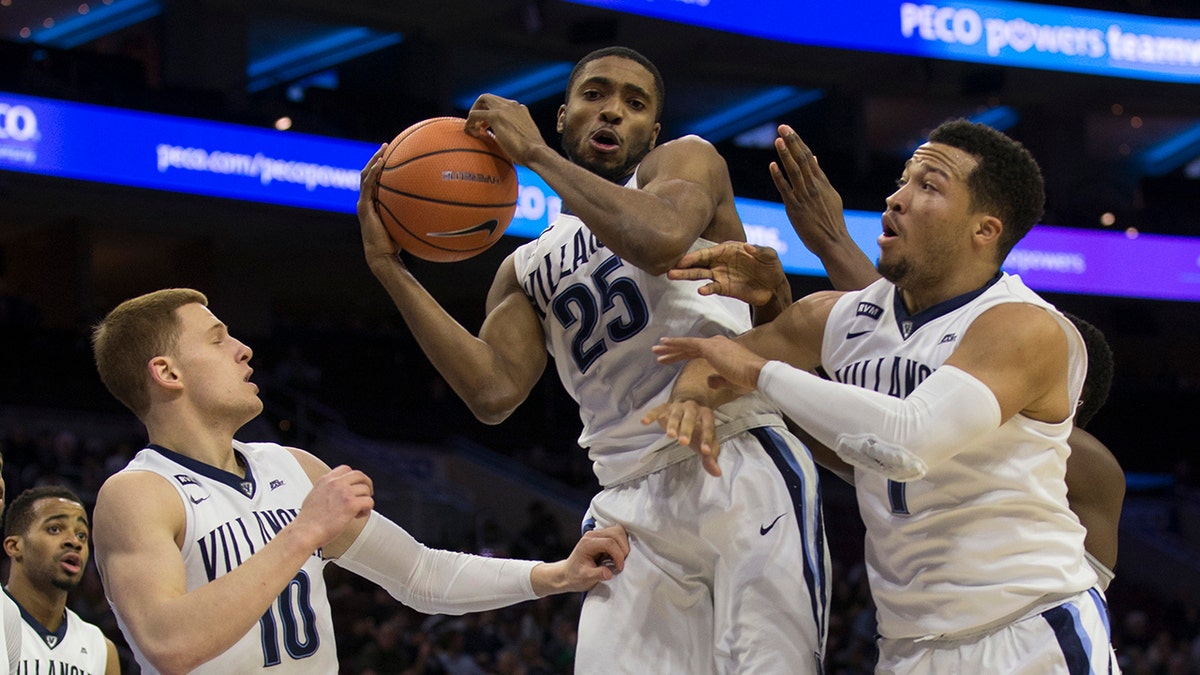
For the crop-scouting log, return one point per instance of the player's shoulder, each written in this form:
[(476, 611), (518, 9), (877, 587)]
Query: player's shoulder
[(691, 149)]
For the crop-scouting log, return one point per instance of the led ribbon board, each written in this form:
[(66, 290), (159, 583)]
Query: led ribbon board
[(123, 147), (1045, 37)]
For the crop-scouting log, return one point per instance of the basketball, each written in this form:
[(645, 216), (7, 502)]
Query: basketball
[(444, 195)]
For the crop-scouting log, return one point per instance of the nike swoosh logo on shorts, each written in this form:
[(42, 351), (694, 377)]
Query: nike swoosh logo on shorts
[(851, 336), (763, 530)]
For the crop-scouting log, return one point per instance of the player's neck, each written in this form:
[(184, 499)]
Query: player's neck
[(920, 295), (45, 606), (213, 449)]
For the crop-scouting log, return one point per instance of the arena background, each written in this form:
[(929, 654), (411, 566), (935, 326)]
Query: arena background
[(339, 372)]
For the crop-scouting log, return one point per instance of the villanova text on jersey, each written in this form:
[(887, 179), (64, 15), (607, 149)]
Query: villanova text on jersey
[(542, 283), (232, 543), (50, 667), (892, 375)]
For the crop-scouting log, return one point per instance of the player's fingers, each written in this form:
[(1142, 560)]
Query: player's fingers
[(782, 185), (689, 274), (371, 168)]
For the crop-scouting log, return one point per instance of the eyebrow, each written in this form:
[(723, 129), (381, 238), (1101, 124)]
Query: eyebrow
[(63, 516), (608, 82)]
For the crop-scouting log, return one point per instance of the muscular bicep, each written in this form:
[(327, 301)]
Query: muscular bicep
[(137, 529), (795, 336), (513, 331), (1019, 352), (691, 180)]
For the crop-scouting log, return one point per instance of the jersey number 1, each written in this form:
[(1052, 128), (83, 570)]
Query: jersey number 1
[(300, 637)]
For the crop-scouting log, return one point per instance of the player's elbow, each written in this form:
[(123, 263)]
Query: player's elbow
[(170, 660), (492, 409)]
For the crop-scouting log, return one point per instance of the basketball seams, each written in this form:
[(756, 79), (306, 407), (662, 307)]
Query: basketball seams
[(434, 200), (504, 161), (456, 193), (420, 236)]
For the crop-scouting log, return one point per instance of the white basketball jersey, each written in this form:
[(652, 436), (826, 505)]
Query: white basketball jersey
[(228, 519), (601, 316), (987, 534), (76, 648)]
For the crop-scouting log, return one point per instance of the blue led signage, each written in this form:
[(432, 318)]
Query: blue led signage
[(108, 145), (1046, 37)]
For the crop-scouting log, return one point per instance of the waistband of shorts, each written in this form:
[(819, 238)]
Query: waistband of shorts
[(669, 452), (1048, 601)]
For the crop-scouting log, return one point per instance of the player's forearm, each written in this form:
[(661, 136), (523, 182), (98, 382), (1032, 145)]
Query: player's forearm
[(469, 365), (636, 225), (898, 438), (179, 634), (848, 268), (435, 581)]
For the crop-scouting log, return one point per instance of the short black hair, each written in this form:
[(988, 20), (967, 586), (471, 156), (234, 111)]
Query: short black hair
[(660, 89), (1007, 183), (1099, 373), (18, 518)]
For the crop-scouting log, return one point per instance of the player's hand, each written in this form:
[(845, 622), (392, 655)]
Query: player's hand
[(737, 367), (597, 556), (813, 206), (509, 123), (735, 269), (335, 500), (377, 244), (691, 423)]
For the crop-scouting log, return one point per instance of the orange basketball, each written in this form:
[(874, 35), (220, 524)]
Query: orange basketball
[(444, 195)]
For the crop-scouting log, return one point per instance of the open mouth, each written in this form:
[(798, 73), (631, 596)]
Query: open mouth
[(888, 230), (71, 563), (606, 140)]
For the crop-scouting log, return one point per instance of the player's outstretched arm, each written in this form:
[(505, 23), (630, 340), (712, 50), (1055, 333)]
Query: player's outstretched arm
[(492, 373), (685, 187), (814, 208), (138, 528)]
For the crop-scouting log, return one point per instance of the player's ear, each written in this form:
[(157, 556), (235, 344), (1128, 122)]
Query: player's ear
[(163, 372), (560, 121), (988, 229), (654, 134), (12, 546)]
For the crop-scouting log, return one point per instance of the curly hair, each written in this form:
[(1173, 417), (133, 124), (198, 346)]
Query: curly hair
[(19, 516), (1007, 182), (1099, 373)]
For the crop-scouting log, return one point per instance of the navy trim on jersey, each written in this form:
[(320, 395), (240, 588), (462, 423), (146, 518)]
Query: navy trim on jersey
[(52, 638), (814, 561), (1072, 639), (908, 325), (247, 487)]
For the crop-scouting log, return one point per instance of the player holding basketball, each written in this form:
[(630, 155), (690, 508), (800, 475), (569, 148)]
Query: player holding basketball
[(726, 576), (47, 538), (212, 549), (1095, 480), (953, 398)]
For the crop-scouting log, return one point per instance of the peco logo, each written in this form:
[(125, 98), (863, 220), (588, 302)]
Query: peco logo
[(18, 123)]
